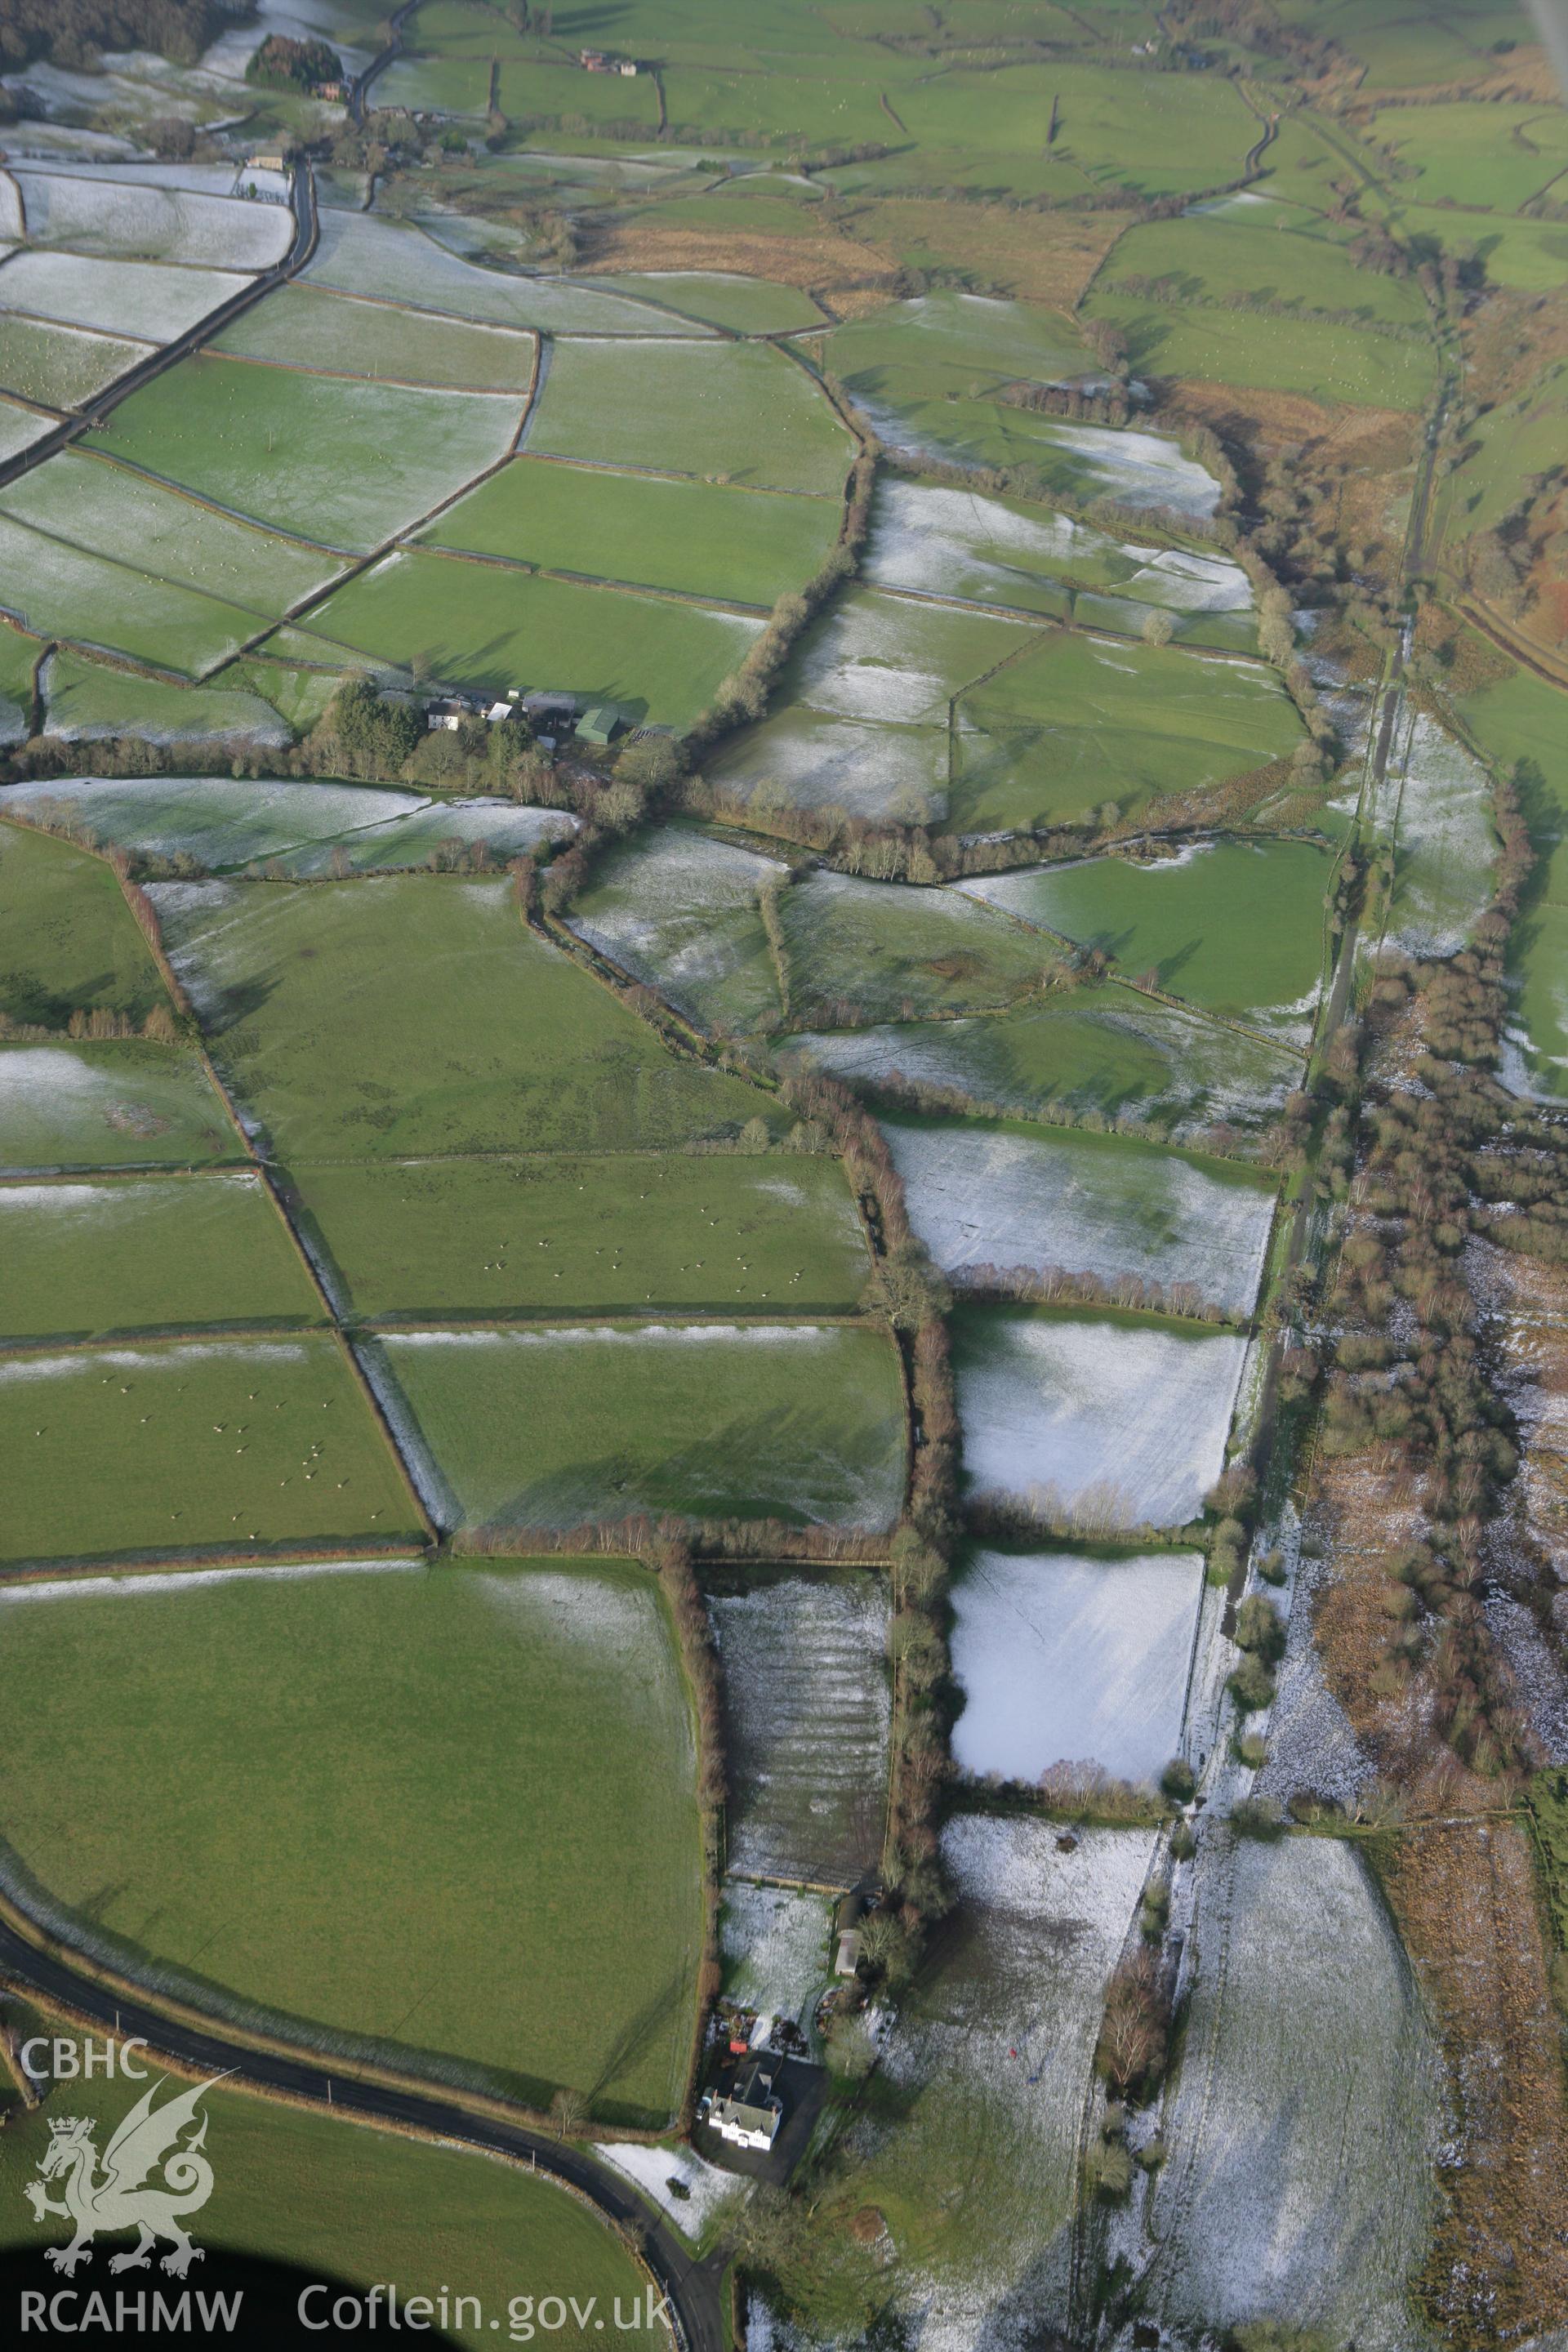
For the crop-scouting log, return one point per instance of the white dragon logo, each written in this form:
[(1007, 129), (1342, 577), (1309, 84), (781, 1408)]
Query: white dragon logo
[(122, 2198)]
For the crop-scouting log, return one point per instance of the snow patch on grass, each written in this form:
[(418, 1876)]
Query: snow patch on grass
[(775, 1944)]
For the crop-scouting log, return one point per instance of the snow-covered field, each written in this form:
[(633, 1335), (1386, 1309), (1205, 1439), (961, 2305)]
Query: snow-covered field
[(1306, 2114), (20, 427), (144, 298), (680, 911), (876, 658), (992, 2055), (778, 1947), (116, 219), (83, 704), (1094, 1424), (362, 253), (1437, 800), (952, 543), (223, 822), (1063, 1659), (806, 1708), (1086, 1204)]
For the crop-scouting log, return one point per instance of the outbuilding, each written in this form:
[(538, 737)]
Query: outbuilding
[(601, 724)]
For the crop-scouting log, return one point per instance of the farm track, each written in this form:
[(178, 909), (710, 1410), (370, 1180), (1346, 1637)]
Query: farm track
[(692, 2289)]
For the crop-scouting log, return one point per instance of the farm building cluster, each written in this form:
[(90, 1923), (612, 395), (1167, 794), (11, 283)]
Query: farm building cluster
[(549, 717)]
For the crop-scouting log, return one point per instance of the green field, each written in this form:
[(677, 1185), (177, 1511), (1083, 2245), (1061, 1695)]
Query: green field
[(654, 533), (63, 367), (725, 412), (107, 1105), (341, 462), (85, 699), (358, 2207), (1235, 927), (1212, 258), (308, 327), (1326, 362), (484, 625), (84, 1260), (375, 1019), (1149, 133), (1074, 725), (547, 1429), (122, 1452), (446, 1809), (747, 306), (589, 1235), (1518, 724), (71, 942), (1491, 157)]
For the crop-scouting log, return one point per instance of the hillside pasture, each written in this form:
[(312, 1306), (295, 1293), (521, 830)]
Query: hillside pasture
[(85, 700), (680, 911), (588, 1236), (490, 627), (384, 261), (306, 327), (1261, 254), (107, 1105), (883, 657), (885, 950), (123, 517), (1324, 361), (1110, 1206), (54, 590), (741, 413), (1098, 1055), (63, 367), (549, 1429), (326, 1018), (1517, 721), (802, 758), (1077, 726), (1154, 134), (1091, 1423), (643, 529), (228, 823), (71, 942), (338, 461), (1064, 1659), (172, 1447), (716, 298), (126, 220), (313, 1736), (806, 1710), (1315, 1992), (1490, 158), (165, 1252), (1234, 926), (139, 299)]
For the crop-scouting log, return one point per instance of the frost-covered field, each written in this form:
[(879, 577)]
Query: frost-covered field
[(1091, 1423), (777, 1944), (145, 299), (106, 1105), (360, 253), (680, 911), (83, 703), (1063, 1659), (223, 824), (953, 542), (807, 1705), (137, 221), (878, 658), (802, 760), (20, 427), (1437, 802), (1088, 1204), (1307, 2110), (992, 2054)]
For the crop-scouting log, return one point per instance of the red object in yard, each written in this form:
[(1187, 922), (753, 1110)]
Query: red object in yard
[(739, 2049)]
